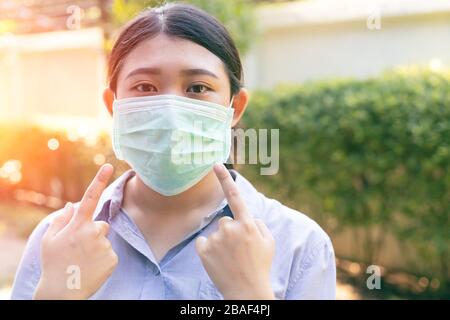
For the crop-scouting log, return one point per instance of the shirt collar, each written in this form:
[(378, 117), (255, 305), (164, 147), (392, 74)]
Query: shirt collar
[(111, 199)]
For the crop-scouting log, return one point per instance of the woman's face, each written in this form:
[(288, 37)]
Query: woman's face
[(170, 65)]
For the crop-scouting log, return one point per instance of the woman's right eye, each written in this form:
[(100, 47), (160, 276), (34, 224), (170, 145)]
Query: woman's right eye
[(145, 87)]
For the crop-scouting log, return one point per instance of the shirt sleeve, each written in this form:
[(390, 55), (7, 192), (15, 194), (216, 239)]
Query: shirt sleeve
[(29, 270), (315, 278)]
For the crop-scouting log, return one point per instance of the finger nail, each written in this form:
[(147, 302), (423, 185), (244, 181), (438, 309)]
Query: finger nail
[(105, 172)]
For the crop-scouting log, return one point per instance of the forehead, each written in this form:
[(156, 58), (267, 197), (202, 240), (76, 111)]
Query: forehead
[(170, 54)]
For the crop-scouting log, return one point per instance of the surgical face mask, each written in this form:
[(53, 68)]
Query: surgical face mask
[(171, 142)]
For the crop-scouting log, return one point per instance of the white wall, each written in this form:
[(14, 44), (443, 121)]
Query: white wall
[(53, 74), (346, 49)]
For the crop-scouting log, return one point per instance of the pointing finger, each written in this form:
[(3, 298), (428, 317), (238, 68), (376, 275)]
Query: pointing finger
[(93, 192), (231, 192)]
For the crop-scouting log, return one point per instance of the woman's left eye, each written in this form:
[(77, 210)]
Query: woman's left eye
[(145, 87), (198, 88)]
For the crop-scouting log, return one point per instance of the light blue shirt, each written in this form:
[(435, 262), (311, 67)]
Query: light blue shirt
[(303, 265)]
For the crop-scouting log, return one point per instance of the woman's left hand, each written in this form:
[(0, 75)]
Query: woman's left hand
[(238, 256)]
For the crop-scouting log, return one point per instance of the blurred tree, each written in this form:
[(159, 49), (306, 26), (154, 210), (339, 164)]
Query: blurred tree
[(22, 16), (237, 15)]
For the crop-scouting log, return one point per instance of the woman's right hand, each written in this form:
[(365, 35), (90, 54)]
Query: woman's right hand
[(75, 245)]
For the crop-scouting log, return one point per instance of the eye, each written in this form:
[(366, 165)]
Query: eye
[(198, 88), (145, 87)]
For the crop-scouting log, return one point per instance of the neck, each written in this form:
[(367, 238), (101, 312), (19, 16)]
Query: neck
[(205, 194)]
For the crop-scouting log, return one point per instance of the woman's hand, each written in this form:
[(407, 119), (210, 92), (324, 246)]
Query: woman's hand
[(238, 256), (74, 242)]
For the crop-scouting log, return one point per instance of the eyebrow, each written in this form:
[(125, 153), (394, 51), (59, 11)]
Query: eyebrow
[(143, 71), (193, 72), (186, 72)]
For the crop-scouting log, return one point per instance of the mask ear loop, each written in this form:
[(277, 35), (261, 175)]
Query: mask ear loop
[(115, 98), (230, 106), (229, 163), (231, 102)]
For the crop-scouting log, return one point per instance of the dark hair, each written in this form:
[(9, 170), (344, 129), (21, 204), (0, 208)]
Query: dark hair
[(182, 21)]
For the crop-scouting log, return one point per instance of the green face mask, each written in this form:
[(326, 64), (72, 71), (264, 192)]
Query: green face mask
[(171, 142)]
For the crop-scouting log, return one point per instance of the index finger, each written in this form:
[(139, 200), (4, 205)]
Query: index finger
[(235, 201), (93, 192)]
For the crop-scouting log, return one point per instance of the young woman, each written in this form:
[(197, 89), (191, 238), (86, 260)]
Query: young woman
[(169, 228)]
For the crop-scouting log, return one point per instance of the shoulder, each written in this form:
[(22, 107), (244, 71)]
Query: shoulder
[(280, 219), (304, 264), (29, 270), (33, 244), (299, 239)]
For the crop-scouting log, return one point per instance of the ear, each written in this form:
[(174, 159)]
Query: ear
[(108, 99), (239, 104)]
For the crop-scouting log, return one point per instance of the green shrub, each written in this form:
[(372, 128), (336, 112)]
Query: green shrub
[(364, 153)]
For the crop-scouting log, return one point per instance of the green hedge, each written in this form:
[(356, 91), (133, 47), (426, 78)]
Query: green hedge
[(360, 153)]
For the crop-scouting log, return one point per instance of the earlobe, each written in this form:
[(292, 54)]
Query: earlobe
[(108, 99), (240, 103)]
